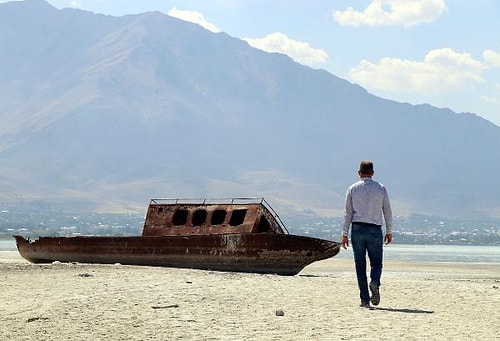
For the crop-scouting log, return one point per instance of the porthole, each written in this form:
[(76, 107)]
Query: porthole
[(264, 225), (218, 217), (180, 217), (199, 217), (237, 217)]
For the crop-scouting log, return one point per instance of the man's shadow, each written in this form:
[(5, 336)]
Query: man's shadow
[(404, 310), (397, 310)]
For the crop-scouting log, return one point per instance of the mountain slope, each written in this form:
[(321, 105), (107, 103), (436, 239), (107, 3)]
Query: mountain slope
[(111, 111)]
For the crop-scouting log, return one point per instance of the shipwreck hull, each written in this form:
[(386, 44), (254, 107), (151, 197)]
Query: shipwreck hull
[(268, 253)]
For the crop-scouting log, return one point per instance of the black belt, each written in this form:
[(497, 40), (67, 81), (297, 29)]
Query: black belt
[(366, 224)]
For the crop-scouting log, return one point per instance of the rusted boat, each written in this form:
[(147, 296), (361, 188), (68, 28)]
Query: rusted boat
[(239, 234)]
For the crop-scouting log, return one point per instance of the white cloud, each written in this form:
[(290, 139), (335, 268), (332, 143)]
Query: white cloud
[(492, 58), (299, 51), (442, 71), (495, 98), (491, 100), (392, 12), (193, 17)]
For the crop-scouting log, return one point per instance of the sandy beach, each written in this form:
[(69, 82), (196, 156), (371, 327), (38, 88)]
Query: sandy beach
[(420, 301)]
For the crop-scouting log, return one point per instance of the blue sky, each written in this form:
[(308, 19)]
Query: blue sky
[(445, 53)]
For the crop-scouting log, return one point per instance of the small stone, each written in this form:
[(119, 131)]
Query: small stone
[(280, 312), (85, 274)]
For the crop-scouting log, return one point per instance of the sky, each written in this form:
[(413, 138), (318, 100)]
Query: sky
[(442, 52)]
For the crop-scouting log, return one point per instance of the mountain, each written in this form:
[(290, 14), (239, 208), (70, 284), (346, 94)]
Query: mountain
[(102, 113)]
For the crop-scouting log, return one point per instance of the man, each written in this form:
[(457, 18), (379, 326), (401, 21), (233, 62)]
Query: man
[(366, 201)]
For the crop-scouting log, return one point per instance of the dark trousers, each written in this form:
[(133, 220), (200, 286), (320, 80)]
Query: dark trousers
[(365, 240)]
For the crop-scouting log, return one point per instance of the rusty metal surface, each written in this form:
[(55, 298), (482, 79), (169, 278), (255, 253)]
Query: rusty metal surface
[(202, 217), (236, 235), (261, 253)]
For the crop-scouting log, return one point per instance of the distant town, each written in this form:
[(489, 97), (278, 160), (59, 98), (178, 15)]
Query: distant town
[(415, 229)]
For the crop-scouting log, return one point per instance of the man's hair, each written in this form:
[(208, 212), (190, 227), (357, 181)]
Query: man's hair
[(366, 167)]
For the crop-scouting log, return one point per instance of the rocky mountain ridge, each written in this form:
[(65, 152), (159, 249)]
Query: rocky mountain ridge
[(102, 113)]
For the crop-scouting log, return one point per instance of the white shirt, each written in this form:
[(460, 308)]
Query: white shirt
[(366, 201)]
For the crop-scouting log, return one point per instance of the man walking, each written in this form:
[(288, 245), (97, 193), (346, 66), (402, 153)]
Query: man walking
[(365, 203)]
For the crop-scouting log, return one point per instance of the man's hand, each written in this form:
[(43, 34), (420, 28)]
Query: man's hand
[(388, 238), (345, 242)]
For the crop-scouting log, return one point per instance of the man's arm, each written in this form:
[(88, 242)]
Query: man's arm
[(387, 211), (347, 219), (348, 210)]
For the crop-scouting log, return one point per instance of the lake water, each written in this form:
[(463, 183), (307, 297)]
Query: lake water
[(402, 252), (8, 245), (437, 253)]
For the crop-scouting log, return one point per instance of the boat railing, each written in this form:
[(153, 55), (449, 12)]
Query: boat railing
[(232, 201)]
